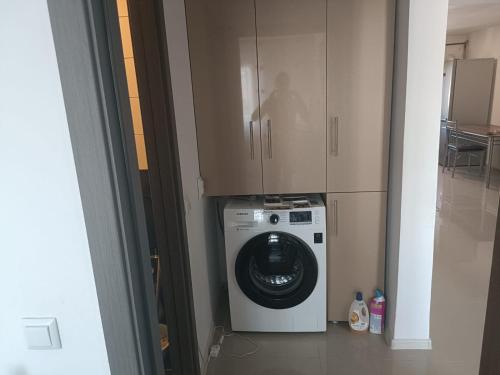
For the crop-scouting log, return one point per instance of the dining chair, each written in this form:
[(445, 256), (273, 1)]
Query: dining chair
[(461, 146)]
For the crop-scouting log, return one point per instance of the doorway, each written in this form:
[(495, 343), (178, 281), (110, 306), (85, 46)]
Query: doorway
[(129, 181), (141, 34), (142, 158)]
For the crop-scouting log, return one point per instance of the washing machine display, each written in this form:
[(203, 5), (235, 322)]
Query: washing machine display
[(301, 217), (276, 270)]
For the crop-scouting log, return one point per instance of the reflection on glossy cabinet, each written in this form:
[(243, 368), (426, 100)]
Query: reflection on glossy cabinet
[(359, 65), (222, 44), (356, 248), (291, 44)]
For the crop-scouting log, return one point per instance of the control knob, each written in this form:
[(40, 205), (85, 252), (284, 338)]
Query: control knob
[(274, 219)]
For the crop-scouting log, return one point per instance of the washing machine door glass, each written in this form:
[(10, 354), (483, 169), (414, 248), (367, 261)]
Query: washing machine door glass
[(276, 270)]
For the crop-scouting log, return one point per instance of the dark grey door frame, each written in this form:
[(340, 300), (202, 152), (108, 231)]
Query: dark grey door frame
[(88, 47), (152, 66)]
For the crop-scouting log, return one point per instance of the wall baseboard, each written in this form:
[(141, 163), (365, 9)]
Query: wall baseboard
[(411, 344), (406, 344)]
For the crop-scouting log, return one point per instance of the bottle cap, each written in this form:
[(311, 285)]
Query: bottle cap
[(359, 296), (378, 293)]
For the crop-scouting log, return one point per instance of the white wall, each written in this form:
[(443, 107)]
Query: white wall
[(45, 266), (200, 213), (419, 58)]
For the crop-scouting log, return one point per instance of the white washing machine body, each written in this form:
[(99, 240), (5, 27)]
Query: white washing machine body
[(276, 266)]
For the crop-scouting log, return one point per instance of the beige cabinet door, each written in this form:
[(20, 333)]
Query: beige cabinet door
[(356, 248), (291, 45), (359, 73), (222, 46)]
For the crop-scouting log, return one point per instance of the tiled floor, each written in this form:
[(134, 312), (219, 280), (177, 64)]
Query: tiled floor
[(465, 228)]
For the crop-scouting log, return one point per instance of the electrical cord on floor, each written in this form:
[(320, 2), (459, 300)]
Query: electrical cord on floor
[(230, 334), (247, 354)]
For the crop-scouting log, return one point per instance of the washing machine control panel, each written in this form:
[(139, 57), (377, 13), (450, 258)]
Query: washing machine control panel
[(290, 217)]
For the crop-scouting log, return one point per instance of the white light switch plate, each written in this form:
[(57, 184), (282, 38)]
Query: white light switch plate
[(41, 333)]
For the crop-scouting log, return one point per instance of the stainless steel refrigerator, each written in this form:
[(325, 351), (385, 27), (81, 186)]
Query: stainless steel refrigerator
[(467, 94)]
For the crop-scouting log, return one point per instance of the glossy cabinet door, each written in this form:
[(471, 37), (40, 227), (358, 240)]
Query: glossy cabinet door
[(222, 45), (291, 45), (359, 66), (356, 248)]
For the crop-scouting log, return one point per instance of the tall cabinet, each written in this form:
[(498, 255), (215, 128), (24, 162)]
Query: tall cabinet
[(359, 78)]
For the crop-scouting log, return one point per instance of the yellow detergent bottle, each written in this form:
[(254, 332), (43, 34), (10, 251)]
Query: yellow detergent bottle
[(359, 317)]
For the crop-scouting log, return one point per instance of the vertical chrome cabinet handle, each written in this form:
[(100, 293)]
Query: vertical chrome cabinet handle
[(269, 139), (336, 144), (335, 218), (331, 136), (252, 152)]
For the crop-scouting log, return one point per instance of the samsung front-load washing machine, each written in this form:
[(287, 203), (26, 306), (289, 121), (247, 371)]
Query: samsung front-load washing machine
[(276, 263)]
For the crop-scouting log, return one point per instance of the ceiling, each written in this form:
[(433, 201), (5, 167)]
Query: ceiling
[(465, 16)]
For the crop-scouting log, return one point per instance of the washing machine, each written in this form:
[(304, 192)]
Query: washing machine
[(276, 263)]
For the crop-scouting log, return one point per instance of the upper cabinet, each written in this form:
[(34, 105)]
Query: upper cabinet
[(359, 64), (222, 45), (292, 96), (260, 122), (291, 49)]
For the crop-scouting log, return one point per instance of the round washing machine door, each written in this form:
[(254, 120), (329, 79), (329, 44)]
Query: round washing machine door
[(276, 270)]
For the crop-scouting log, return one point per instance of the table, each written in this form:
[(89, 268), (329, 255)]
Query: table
[(487, 135)]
